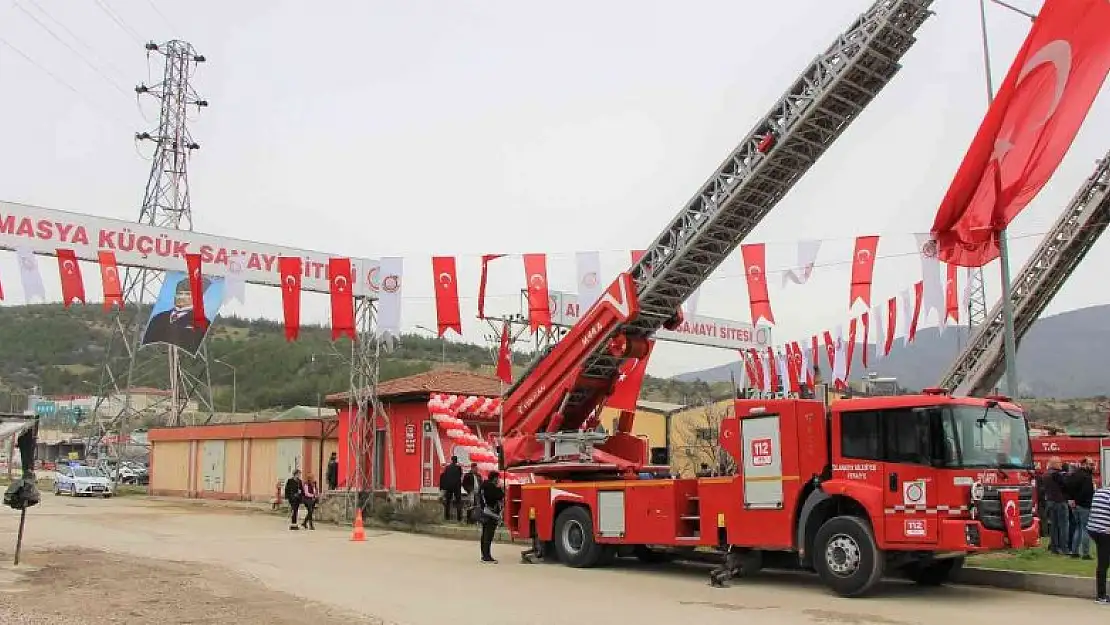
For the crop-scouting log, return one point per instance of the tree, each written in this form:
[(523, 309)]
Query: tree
[(697, 432)]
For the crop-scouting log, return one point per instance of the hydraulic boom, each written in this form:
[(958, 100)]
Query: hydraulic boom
[(571, 380), (981, 364)]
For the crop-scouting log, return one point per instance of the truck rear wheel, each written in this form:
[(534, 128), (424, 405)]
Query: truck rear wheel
[(935, 573), (846, 556), (574, 538)]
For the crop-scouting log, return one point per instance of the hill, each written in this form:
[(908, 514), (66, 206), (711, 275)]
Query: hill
[(1064, 356), (62, 352)]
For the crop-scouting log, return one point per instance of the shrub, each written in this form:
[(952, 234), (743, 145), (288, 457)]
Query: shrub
[(417, 514), (384, 511)]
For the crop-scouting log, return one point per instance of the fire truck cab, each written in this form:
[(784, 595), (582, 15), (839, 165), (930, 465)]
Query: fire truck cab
[(860, 488)]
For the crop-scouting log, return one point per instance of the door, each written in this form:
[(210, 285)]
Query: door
[(212, 467), (762, 451), (288, 457), (430, 453), (911, 494), (378, 479)]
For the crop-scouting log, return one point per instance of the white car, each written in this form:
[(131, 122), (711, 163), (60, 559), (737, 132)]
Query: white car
[(81, 480)]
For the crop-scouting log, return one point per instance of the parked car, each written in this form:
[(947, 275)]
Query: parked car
[(78, 480)]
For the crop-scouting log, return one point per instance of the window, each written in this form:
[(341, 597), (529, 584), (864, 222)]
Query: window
[(859, 435)]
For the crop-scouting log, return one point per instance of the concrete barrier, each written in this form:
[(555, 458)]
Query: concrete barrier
[(1043, 583)]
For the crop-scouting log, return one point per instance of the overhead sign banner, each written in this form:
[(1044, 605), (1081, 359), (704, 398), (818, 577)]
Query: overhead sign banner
[(45, 230), (699, 330)]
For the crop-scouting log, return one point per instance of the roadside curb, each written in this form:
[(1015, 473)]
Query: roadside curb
[(1041, 583)]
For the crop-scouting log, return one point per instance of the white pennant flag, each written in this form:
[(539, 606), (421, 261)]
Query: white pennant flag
[(784, 373), (589, 279), (840, 360), (932, 296), (807, 258), (807, 372), (878, 313), (389, 298), (743, 383), (29, 275), (692, 304), (235, 286)]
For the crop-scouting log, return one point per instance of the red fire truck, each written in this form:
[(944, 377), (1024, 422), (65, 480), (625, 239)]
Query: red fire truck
[(908, 484), (864, 486)]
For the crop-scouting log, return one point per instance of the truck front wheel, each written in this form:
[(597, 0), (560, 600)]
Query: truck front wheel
[(846, 556), (574, 538)]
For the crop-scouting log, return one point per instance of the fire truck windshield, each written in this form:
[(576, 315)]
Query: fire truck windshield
[(987, 437)]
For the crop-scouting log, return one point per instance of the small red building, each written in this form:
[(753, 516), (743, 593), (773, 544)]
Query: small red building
[(431, 417)]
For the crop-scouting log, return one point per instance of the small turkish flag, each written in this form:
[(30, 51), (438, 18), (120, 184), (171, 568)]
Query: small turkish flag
[(290, 269), (626, 391), (505, 356), (755, 269), (952, 296), (196, 287), (342, 300), (73, 287), (539, 299), (109, 276), (728, 437), (448, 316), (865, 319), (863, 268)]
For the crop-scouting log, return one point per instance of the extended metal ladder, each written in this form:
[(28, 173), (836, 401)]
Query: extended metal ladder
[(981, 364), (803, 123)]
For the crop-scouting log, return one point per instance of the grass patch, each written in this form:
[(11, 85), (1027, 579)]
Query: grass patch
[(1037, 560)]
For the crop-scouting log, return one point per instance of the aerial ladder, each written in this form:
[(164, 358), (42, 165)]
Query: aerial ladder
[(979, 367), (545, 410)]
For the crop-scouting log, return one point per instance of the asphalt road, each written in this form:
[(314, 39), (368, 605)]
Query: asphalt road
[(415, 580)]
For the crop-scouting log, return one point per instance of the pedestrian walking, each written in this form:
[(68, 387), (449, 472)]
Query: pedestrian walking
[(294, 494), (492, 499), (1098, 528), (311, 495)]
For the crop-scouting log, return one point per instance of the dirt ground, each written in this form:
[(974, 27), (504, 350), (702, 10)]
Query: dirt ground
[(133, 560), (82, 586)]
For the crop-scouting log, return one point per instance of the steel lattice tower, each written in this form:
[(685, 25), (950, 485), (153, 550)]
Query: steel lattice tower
[(166, 204)]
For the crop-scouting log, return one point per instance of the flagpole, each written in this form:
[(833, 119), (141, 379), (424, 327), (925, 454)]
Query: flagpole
[(1009, 337)]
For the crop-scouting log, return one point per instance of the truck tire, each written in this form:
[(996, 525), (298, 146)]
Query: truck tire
[(846, 556), (935, 573), (574, 538)]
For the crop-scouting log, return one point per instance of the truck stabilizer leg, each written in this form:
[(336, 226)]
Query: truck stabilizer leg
[(729, 568), (534, 553)]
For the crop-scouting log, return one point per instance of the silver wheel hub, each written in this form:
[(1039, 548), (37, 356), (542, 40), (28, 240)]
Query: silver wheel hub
[(574, 537), (842, 555)]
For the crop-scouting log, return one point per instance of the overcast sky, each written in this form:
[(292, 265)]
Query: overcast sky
[(411, 129)]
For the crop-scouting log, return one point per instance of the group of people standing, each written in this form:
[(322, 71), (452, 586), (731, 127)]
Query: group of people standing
[(484, 500), (1077, 514)]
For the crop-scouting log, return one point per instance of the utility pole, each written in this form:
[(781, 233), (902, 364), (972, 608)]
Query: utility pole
[(166, 204)]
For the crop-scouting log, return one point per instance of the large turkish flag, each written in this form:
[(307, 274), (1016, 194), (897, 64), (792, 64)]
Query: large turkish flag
[(1027, 130)]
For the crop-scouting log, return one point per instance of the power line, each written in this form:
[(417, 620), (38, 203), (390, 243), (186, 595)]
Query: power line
[(161, 14), (72, 49), (118, 20), (57, 79), (77, 39)]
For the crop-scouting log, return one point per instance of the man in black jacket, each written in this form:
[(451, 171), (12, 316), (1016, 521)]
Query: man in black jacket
[(294, 492), (492, 499), (1052, 483), (1081, 489), (333, 472), (450, 483)]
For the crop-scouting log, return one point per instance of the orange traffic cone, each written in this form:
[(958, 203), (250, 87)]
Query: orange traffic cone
[(359, 533)]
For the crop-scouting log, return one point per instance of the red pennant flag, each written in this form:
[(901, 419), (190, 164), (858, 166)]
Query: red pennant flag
[(505, 356), (863, 269), (918, 291), (1027, 130), (792, 364), (109, 276), (751, 380), (815, 358), (448, 316), (773, 369), (952, 296), (851, 348), (830, 349), (539, 301), (196, 287), (486, 259), (891, 324), (755, 269), (865, 319), (626, 391), (342, 299), (73, 287), (290, 268), (757, 363)]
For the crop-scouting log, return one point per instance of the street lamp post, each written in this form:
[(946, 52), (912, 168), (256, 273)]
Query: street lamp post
[(442, 343), (234, 385)]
